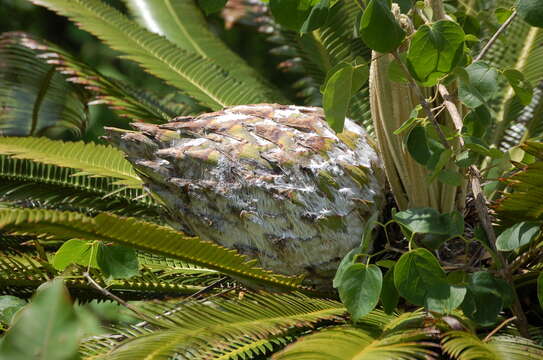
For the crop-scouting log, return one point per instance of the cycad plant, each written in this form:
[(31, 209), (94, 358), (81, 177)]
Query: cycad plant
[(391, 211)]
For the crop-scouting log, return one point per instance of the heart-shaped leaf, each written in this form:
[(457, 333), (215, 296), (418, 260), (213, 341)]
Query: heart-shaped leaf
[(360, 289), (481, 85), (75, 251), (517, 236), (435, 50), (379, 29), (420, 279), (117, 262)]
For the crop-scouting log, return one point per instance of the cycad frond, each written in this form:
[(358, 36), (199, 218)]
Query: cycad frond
[(525, 56), (224, 328), (463, 345), (200, 78), (182, 23), (524, 201), (37, 100), (144, 236), (317, 52), (21, 275), (121, 97), (27, 183), (377, 337), (91, 159)]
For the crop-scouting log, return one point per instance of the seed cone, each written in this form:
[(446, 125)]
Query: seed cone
[(271, 181)]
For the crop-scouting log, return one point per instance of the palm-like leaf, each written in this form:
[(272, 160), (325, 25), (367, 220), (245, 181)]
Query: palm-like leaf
[(121, 97), (21, 275), (524, 201), (27, 183), (37, 100), (525, 56), (350, 343), (200, 78), (224, 328), (182, 23), (144, 236), (317, 52), (89, 159), (463, 345)]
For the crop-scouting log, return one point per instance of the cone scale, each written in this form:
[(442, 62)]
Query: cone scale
[(273, 182)]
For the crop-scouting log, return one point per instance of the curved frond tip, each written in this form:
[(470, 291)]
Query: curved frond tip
[(463, 345), (89, 158), (201, 78)]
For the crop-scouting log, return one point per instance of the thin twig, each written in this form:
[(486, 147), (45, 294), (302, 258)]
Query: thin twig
[(185, 300), (499, 327), (484, 215), (114, 297), (495, 36)]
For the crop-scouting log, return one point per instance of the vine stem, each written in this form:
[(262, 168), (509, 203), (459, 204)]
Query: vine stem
[(476, 188), (425, 105), (110, 295), (498, 328), (496, 36)]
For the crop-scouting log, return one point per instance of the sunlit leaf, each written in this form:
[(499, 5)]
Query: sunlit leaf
[(47, 329)]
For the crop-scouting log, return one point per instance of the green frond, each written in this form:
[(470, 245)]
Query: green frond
[(324, 48), (463, 345), (337, 35), (226, 328), (247, 348), (168, 270), (27, 183), (144, 236), (22, 274), (534, 126), (91, 159), (120, 96), (201, 78), (523, 203), (36, 100), (356, 343), (526, 56), (182, 23)]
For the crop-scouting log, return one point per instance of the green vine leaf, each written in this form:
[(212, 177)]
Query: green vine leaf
[(389, 295), (360, 289), (419, 278), (379, 29), (211, 6), (291, 14), (435, 50), (481, 86), (518, 235), (485, 298), (47, 329), (523, 89), (117, 262), (76, 251)]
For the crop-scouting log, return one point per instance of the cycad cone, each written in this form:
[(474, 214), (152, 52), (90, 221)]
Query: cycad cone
[(271, 181)]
